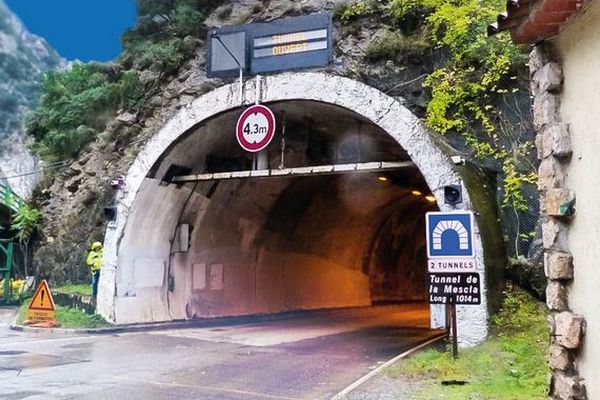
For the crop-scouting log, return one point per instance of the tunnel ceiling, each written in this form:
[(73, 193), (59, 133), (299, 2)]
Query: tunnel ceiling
[(315, 134)]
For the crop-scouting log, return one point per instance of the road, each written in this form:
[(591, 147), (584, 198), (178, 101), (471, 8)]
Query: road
[(310, 356)]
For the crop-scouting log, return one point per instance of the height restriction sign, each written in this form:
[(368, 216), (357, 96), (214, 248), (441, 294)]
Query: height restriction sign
[(255, 128)]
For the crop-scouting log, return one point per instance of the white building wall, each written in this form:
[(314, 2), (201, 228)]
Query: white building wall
[(579, 51)]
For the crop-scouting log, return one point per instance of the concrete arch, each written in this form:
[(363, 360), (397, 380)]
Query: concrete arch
[(382, 110)]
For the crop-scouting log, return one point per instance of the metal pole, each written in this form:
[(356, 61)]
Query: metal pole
[(216, 36), (258, 89), (241, 94), (283, 122), (454, 333)]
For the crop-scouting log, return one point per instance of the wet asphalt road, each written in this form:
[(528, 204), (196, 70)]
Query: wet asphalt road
[(308, 357)]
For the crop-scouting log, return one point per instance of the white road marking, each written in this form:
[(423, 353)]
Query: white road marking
[(28, 342), (344, 393)]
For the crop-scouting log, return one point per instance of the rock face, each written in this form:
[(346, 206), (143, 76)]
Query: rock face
[(24, 59)]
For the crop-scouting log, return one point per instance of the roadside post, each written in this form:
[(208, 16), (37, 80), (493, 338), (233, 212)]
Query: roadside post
[(453, 278)]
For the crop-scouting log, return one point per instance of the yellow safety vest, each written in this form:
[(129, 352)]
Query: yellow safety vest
[(94, 260)]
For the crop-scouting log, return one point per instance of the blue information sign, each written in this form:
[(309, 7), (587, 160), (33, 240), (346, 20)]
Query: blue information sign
[(450, 234)]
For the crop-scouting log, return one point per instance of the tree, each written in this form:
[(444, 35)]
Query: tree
[(24, 223)]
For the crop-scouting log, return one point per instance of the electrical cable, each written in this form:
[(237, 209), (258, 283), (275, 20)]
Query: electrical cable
[(55, 165)]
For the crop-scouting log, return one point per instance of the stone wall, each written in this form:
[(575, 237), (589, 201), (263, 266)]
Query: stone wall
[(558, 210)]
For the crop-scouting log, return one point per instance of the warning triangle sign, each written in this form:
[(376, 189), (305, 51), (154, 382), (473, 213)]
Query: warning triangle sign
[(42, 299)]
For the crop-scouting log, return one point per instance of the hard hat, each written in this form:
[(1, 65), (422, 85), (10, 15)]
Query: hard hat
[(96, 246)]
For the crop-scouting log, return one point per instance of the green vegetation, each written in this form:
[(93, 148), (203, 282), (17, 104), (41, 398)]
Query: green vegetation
[(80, 289), (348, 12), (393, 45), (511, 365), (24, 222), (165, 56), (69, 318), (72, 318), (479, 89), (76, 104), (480, 78), (158, 41)]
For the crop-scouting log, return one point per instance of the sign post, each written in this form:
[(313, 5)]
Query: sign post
[(452, 267)]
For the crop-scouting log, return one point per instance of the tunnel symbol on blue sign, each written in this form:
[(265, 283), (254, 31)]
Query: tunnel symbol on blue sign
[(450, 234)]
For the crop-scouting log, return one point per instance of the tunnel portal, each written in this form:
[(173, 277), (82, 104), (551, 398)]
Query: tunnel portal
[(278, 244), (183, 247)]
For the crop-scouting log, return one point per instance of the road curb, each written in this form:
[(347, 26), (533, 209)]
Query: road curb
[(349, 389), (177, 324)]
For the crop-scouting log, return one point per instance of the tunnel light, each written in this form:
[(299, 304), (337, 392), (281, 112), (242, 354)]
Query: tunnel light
[(431, 199), (382, 179), (452, 194), (417, 193)]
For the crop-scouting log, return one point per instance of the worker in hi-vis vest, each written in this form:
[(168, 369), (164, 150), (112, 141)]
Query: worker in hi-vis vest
[(94, 261)]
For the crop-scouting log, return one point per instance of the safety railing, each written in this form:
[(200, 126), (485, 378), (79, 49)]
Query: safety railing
[(9, 199), (7, 250)]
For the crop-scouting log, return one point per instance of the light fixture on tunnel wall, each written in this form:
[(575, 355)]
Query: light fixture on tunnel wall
[(111, 214), (430, 198), (382, 179), (453, 194), (416, 193)]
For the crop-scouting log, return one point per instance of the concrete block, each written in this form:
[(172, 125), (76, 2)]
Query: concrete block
[(545, 110), (569, 329), (549, 77), (557, 296), (560, 358), (567, 387), (559, 203), (551, 174), (558, 266), (554, 235)]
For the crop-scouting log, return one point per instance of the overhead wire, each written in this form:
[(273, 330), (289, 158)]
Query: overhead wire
[(50, 166)]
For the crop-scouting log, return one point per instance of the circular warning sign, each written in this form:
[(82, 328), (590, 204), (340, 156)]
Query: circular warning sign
[(255, 128)]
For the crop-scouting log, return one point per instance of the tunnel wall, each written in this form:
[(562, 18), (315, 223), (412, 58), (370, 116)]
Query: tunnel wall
[(311, 250), (374, 105)]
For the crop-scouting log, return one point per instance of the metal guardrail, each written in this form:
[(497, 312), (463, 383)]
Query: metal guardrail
[(9, 198)]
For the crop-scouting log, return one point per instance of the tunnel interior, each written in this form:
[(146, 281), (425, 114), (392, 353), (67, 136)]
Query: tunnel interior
[(277, 244)]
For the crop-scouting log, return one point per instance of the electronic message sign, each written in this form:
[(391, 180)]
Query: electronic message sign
[(281, 45)]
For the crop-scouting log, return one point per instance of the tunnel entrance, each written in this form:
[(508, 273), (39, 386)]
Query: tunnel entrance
[(285, 243), (241, 244)]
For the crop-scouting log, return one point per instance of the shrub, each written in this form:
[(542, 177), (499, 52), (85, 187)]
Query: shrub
[(393, 45), (164, 56), (75, 106), (187, 19), (347, 13)]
